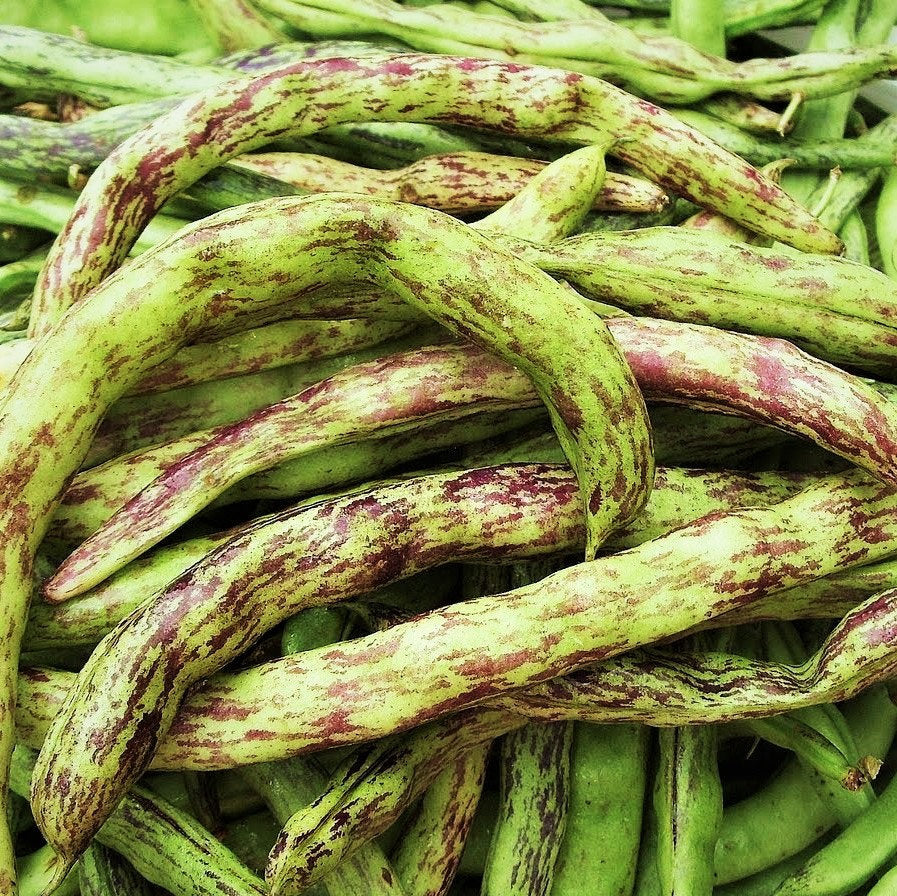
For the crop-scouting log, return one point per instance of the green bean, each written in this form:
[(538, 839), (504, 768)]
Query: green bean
[(377, 396), (608, 769), (744, 113), (532, 817), (678, 496), (44, 64), (765, 882), (853, 856), (279, 101), (700, 23), (856, 240), (103, 873), (885, 228), (165, 846), (235, 25), (460, 182), (428, 853), (36, 872), (688, 801), (848, 153), (830, 307), (167, 311), (886, 884), (663, 68)]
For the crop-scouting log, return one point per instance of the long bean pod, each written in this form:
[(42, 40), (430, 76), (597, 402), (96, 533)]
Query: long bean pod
[(768, 381), (175, 289), (175, 150)]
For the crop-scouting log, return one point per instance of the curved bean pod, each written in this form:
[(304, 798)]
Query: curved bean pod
[(768, 381), (696, 572), (172, 291), (461, 182), (175, 150), (835, 309), (225, 723), (678, 497)]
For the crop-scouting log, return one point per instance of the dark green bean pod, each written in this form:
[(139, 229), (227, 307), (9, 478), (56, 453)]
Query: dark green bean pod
[(103, 873)]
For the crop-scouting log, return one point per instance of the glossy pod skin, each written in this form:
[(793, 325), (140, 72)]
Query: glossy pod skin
[(766, 380), (175, 149), (170, 293), (701, 570)]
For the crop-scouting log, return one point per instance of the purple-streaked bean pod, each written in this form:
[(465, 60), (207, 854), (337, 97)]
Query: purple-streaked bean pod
[(534, 787), (433, 665), (836, 309), (369, 791), (269, 254), (224, 723), (429, 849), (766, 380), (678, 497), (459, 183), (202, 133)]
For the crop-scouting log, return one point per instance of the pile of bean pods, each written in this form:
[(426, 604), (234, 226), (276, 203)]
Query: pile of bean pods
[(447, 448)]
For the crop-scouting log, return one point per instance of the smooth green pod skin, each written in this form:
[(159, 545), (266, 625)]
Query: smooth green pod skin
[(844, 152), (853, 856), (235, 25), (103, 873), (428, 853), (534, 789), (666, 69), (174, 293), (767, 380), (175, 151), (885, 228), (678, 496), (369, 790), (36, 872), (165, 845), (44, 65), (856, 239), (765, 882), (790, 801), (608, 770), (20, 275), (555, 202), (886, 885), (701, 24), (835, 309), (688, 800), (460, 182)]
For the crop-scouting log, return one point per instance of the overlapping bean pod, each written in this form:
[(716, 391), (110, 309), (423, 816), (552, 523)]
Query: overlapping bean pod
[(147, 311), (176, 148), (683, 579)]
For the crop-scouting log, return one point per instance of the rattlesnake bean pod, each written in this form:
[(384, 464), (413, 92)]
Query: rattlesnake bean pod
[(768, 381), (534, 786), (212, 728), (462, 182), (103, 873), (833, 308), (175, 150), (663, 68), (235, 25), (165, 845), (428, 853), (696, 572), (36, 871), (678, 496), (174, 290), (369, 791)]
